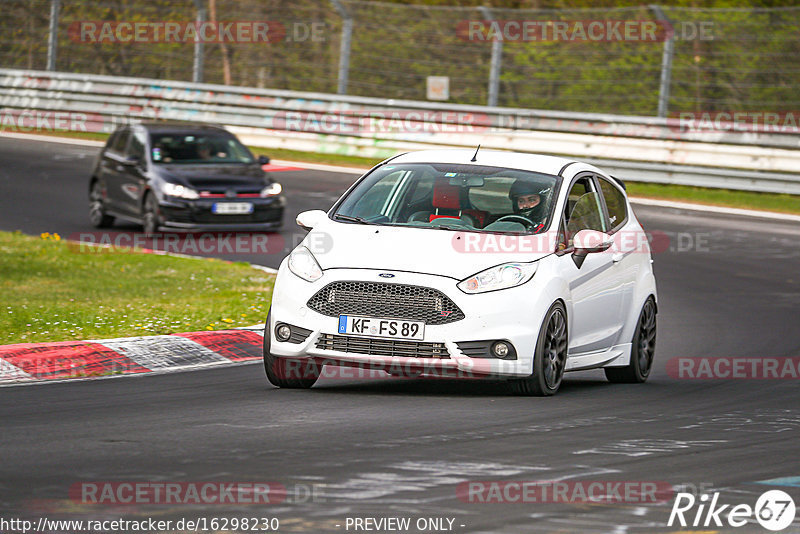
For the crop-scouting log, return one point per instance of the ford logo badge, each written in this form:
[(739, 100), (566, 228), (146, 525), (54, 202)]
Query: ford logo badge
[(386, 275)]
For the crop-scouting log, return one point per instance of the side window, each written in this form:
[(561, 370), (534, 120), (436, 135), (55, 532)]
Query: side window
[(120, 141), (136, 147), (112, 139), (615, 203), (579, 188), (584, 210)]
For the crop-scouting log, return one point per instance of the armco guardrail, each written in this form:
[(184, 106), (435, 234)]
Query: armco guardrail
[(636, 148)]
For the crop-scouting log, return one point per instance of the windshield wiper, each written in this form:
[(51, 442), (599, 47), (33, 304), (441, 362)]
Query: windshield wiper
[(350, 218), (449, 227)]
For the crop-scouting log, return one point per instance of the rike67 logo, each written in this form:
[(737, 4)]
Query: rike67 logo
[(774, 510)]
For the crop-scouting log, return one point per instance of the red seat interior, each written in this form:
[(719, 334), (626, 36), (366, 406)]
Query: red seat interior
[(445, 197), (448, 197)]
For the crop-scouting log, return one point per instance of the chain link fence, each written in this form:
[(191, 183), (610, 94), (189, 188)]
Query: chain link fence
[(732, 59)]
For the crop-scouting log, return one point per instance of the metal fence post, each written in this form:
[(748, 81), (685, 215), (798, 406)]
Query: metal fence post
[(344, 46), (52, 38), (197, 64), (497, 62), (666, 61)]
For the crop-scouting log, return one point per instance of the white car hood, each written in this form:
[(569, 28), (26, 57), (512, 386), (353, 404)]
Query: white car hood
[(423, 250)]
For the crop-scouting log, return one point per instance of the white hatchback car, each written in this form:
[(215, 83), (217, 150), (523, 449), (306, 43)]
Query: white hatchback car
[(457, 263)]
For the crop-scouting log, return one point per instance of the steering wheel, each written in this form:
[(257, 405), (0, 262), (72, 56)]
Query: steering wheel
[(527, 223)]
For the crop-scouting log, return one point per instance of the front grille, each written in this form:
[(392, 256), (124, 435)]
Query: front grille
[(391, 301), (382, 347), (259, 215)]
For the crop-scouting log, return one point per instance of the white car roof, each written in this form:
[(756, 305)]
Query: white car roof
[(495, 158)]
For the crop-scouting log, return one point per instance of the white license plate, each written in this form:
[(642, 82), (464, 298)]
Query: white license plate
[(232, 208), (374, 327)]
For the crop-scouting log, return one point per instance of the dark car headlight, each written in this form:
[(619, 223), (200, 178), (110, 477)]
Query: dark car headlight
[(180, 191), (271, 190)]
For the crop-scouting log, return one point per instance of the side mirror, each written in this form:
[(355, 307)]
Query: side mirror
[(263, 160), (131, 161), (309, 219), (587, 242)]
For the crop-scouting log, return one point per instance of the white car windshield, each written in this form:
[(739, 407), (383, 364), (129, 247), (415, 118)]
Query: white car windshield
[(452, 197)]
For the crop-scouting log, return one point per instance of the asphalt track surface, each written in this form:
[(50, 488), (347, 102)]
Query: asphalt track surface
[(396, 447)]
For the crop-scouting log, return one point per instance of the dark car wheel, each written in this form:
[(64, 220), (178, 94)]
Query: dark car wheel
[(151, 216), (643, 349), (97, 212), (550, 357), (280, 370)]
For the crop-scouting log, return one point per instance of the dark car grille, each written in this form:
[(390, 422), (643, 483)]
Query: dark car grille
[(392, 301), (382, 347), (203, 215), (259, 215)]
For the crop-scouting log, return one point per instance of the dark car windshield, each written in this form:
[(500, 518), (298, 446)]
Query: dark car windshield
[(452, 196), (197, 148)]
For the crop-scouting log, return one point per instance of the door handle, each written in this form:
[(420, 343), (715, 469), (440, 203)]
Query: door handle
[(617, 257)]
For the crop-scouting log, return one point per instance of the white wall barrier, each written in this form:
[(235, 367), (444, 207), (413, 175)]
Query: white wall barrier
[(636, 148)]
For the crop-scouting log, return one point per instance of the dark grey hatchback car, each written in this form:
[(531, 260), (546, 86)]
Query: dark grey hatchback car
[(183, 176)]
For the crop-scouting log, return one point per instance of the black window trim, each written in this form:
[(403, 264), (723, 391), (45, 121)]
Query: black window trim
[(624, 221), (562, 222)]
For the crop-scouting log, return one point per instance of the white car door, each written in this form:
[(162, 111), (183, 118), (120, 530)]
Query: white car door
[(596, 286), (630, 242)]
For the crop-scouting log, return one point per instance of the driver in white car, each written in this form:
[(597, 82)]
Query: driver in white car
[(526, 200)]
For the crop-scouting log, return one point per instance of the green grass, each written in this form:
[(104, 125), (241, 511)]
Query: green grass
[(716, 197), (49, 291), (316, 157)]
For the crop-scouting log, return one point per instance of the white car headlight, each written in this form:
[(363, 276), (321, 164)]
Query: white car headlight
[(499, 277), (180, 191), (271, 190), (303, 264)]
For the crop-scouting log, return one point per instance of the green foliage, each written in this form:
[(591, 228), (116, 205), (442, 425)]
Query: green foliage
[(749, 58)]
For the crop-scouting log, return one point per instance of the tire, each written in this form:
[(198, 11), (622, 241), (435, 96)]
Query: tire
[(550, 357), (277, 371), (643, 349), (151, 218), (97, 211)]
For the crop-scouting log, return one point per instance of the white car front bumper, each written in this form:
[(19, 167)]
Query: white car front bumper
[(512, 315)]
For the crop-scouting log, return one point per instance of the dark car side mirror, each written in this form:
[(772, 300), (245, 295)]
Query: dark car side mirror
[(263, 160), (131, 161)]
